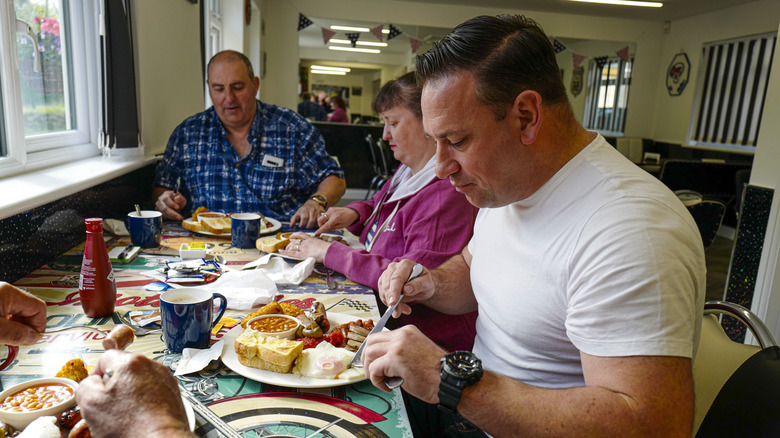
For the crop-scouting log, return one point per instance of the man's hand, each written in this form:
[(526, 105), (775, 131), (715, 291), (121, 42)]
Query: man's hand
[(336, 218), (139, 397), (393, 281), (170, 204), (22, 316), (306, 216), (405, 353)]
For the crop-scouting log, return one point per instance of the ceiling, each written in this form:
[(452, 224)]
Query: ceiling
[(311, 40)]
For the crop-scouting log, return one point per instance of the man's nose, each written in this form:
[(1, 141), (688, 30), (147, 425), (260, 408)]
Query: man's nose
[(445, 164)]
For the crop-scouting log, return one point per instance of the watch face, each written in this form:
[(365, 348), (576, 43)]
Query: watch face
[(464, 365)]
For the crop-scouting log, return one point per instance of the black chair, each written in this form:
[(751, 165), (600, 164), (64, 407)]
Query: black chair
[(708, 215), (736, 385), (742, 178), (713, 179), (380, 163)]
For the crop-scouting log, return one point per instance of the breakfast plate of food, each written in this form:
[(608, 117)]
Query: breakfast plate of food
[(220, 226), (317, 356)]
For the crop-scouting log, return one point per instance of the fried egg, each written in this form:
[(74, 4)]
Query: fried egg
[(325, 362)]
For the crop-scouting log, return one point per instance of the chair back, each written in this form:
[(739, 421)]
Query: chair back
[(708, 215)]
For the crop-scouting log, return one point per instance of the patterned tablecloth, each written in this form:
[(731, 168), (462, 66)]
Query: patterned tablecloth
[(252, 407)]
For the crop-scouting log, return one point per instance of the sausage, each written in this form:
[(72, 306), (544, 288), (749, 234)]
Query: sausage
[(80, 430), (119, 338)]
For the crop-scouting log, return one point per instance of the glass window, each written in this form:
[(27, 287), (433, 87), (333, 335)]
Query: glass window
[(49, 92), (607, 99), (730, 91)]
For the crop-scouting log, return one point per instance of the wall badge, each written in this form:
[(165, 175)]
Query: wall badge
[(678, 74)]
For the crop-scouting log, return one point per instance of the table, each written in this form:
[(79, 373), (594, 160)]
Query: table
[(253, 408)]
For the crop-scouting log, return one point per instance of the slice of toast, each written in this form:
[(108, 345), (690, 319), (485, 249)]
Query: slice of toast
[(266, 352), (192, 226), (215, 225), (271, 243)]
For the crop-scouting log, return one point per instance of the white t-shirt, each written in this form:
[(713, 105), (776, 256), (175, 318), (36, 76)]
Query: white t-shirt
[(602, 259)]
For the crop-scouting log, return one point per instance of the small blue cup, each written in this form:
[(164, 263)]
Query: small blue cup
[(145, 230), (244, 229), (188, 317)]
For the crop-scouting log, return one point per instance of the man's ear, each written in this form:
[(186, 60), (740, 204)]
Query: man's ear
[(527, 112)]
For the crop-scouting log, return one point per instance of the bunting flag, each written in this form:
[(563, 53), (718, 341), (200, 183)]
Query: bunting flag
[(394, 32), (353, 37), (558, 46), (623, 53), (303, 22), (377, 31), (327, 34), (577, 59), (415, 44), (601, 61)]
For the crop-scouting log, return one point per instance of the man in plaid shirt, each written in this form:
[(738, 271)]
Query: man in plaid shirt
[(243, 155)]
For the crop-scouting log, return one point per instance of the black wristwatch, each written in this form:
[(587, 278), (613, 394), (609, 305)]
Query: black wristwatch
[(458, 370), (319, 199)]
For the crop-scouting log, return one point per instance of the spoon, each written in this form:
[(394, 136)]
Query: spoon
[(138, 210), (323, 270)]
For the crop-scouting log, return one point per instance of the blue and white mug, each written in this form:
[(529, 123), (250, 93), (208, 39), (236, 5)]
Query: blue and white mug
[(244, 229), (187, 317), (146, 229)]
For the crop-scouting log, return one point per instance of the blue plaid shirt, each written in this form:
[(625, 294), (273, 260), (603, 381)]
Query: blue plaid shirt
[(284, 168)]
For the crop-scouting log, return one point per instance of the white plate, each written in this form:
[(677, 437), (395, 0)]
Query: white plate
[(290, 380), (275, 226)]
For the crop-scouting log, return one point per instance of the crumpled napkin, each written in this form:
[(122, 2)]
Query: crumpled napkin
[(115, 227), (277, 269), (244, 290), (193, 359)]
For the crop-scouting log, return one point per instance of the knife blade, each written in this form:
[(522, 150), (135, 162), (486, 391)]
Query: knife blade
[(208, 415), (391, 382)]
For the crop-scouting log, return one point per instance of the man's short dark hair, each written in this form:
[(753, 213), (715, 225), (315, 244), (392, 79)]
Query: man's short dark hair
[(506, 55), (305, 95), (234, 55), (402, 91)]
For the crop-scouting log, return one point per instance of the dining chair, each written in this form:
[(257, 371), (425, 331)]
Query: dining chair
[(380, 164), (736, 385), (708, 215)]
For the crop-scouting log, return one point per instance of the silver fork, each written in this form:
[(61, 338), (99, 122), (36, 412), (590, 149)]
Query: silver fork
[(138, 330), (74, 327)]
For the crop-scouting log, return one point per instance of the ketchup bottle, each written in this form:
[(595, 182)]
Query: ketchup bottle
[(97, 286)]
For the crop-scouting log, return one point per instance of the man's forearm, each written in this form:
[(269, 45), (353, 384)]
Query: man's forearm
[(453, 293), (332, 188)]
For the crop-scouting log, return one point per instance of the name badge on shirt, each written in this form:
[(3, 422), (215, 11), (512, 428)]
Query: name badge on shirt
[(271, 161)]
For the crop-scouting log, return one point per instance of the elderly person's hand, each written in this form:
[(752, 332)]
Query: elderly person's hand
[(137, 397), (170, 204), (22, 316), (336, 218), (306, 216), (406, 353), (303, 246)]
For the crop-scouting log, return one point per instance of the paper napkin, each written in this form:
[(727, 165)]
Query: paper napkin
[(193, 360)]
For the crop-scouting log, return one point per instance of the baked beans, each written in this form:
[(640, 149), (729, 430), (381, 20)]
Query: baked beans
[(37, 397), (273, 324)]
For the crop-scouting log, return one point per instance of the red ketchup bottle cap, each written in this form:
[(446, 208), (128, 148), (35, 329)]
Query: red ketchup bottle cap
[(94, 225)]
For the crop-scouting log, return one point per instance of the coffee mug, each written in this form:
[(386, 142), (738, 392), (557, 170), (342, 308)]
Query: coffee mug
[(244, 229), (145, 230), (188, 317)]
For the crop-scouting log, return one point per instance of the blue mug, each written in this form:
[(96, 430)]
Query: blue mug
[(145, 230), (244, 229), (187, 317)]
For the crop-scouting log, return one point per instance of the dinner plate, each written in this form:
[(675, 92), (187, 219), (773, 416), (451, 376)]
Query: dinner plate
[(275, 226), (290, 380)]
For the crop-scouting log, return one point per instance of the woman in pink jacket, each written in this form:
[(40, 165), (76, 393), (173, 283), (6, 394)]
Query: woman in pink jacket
[(415, 216)]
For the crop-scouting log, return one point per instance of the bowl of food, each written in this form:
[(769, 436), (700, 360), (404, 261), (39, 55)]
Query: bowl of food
[(24, 402), (277, 325)]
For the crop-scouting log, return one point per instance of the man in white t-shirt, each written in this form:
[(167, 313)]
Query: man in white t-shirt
[(588, 273)]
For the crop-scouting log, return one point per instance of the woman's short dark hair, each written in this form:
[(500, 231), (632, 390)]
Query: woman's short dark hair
[(507, 55), (402, 91)]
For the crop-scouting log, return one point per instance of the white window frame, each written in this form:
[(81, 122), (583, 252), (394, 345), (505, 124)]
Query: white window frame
[(593, 90), (34, 152), (213, 43)]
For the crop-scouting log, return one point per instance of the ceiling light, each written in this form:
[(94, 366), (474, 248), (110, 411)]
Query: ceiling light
[(322, 67), (350, 28), (359, 43), (329, 72), (354, 49), (623, 3)]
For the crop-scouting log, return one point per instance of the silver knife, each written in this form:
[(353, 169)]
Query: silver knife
[(391, 382), (219, 425)]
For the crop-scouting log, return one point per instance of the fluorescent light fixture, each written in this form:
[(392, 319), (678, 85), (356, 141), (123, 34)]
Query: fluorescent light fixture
[(354, 49), (359, 43), (623, 3), (329, 72), (350, 28), (322, 67)]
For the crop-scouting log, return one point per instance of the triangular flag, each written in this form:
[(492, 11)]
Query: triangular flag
[(415, 44), (558, 46), (353, 37), (577, 59), (394, 32), (623, 53), (327, 34), (377, 31), (601, 61), (303, 22)]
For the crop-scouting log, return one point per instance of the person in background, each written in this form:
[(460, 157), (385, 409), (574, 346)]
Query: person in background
[(324, 101), (309, 109), (22, 316), (415, 216), (588, 273), (339, 114), (243, 155)]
